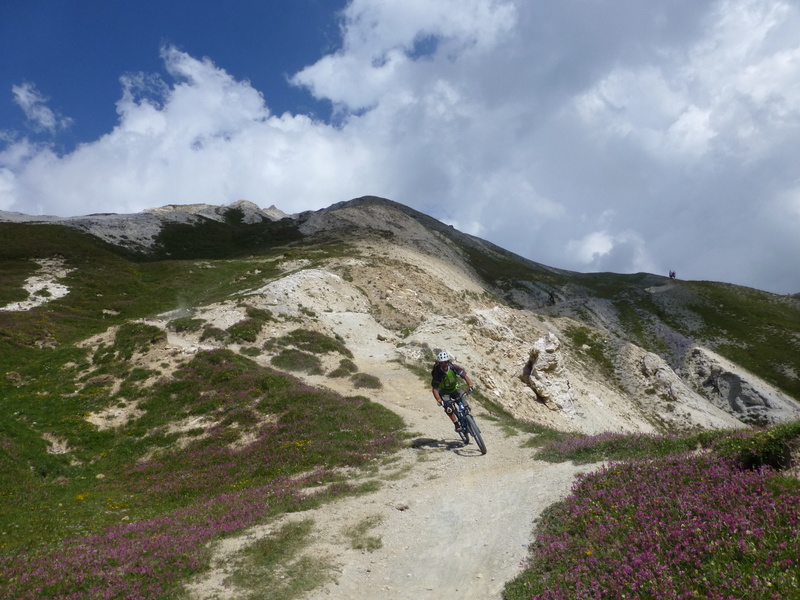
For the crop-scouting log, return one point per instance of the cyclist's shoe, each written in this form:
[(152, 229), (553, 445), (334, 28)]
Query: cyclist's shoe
[(459, 429)]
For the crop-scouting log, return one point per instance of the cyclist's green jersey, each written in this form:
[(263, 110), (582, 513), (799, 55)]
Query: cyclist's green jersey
[(447, 381)]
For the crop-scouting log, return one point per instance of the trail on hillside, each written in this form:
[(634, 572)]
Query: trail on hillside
[(453, 523)]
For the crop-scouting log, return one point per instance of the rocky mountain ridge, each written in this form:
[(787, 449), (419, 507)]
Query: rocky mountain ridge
[(139, 231), (582, 352)]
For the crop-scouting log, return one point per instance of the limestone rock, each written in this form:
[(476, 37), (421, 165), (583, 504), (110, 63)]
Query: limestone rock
[(140, 231), (545, 375), (666, 397), (738, 392), (662, 378)]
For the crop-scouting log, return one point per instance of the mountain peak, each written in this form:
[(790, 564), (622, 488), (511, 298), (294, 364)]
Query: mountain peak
[(646, 349)]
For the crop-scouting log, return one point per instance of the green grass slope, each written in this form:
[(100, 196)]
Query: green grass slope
[(129, 511)]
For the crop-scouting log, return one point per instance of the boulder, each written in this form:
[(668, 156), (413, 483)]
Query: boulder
[(668, 399), (545, 375), (738, 392)]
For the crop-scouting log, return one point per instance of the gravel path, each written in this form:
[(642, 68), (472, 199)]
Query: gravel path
[(453, 523), (457, 524)]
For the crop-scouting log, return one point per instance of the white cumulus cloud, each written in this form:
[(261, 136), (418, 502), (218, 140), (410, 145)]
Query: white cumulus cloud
[(604, 135), (34, 105)]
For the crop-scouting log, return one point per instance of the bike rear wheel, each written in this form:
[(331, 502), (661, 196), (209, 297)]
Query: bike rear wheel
[(472, 428)]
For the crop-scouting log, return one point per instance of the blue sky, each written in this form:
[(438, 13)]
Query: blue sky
[(592, 136), (75, 51)]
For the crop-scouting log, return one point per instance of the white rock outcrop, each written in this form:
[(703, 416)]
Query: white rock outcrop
[(43, 286), (738, 392), (545, 375), (139, 231), (667, 397)]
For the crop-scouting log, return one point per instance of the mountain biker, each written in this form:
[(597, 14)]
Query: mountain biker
[(444, 383)]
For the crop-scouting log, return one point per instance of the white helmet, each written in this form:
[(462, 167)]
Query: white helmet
[(443, 357)]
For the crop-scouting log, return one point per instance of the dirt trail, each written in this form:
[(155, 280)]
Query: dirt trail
[(453, 523), (458, 524)]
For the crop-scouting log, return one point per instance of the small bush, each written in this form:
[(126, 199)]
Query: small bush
[(312, 341), (186, 325), (214, 333), (130, 339), (297, 360), (260, 314), (346, 367), (765, 447), (363, 380), (247, 330)]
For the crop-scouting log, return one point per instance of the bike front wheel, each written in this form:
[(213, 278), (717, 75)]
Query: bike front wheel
[(464, 433), (472, 428)]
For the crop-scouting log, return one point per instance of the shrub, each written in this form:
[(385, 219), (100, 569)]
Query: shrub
[(186, 325), (312, 341), (130, 338), (763, 447), (213, 333), (363, 380), (297, 360), (346, 367), (247, 329)]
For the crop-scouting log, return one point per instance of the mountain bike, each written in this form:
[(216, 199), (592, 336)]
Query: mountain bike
[(463, 412)]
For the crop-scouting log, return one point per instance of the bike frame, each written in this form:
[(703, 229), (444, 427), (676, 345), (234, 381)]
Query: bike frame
[(463, 412), (461, 408)]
